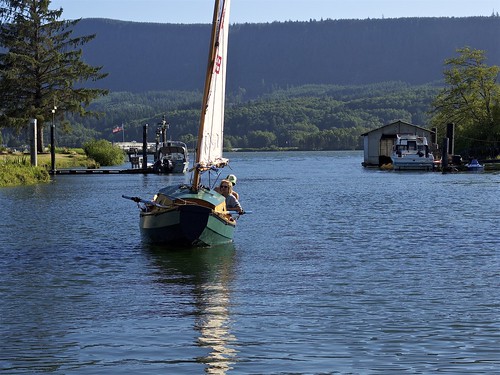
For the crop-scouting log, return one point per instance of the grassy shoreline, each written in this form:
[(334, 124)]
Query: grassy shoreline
[(16, 169)]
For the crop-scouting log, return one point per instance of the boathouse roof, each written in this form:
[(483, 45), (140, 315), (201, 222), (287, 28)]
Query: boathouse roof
[(393, 124)]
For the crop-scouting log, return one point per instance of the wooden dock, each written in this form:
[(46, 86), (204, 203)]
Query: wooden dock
[(101, 171)]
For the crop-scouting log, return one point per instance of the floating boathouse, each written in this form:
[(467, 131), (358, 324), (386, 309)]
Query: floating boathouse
[(378, 142)]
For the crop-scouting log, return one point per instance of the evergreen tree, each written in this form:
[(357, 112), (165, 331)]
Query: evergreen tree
[(41, 66)]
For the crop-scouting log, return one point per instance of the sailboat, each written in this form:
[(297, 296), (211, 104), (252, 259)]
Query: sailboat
[(194, 214)]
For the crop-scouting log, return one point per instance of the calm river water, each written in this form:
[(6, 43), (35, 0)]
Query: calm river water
[(338, 270)]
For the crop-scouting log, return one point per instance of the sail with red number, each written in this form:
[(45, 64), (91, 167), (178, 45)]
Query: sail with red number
[(211, 130), (196, 214)]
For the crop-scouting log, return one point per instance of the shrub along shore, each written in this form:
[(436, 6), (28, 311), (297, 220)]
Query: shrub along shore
[(14, 172)]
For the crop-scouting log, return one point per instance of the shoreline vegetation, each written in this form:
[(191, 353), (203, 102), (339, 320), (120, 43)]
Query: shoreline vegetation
[(16, 168)]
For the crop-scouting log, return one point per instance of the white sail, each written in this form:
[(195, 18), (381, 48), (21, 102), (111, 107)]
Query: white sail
[(212, 121)]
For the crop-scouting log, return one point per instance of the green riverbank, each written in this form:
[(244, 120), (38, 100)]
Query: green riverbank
[(16, 169)]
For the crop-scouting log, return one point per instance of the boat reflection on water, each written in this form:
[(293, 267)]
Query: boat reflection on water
[(208, 274)]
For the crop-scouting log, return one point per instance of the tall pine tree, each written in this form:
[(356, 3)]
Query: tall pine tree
[(41, 66)]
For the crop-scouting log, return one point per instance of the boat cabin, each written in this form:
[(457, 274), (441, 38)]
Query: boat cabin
[(416, 145)]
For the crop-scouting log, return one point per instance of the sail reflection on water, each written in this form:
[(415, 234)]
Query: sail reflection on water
[(214, 326), (208, 274)]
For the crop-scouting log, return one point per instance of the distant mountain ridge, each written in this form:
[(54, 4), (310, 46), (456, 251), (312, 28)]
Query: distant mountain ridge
[(149, 56)]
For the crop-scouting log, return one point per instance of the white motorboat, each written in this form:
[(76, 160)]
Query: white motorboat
[(411, 152)]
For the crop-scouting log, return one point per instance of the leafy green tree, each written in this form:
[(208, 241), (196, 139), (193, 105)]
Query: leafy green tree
[(41, 67), (261, 139), (471, 101)]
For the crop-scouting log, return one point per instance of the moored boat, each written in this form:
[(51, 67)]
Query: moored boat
[(196, 214), (411, 152), (474, 166), (170, 156)]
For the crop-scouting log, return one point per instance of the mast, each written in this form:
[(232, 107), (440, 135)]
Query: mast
[(206, 92)]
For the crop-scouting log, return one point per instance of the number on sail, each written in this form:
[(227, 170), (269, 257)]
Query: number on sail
[(218, 63)]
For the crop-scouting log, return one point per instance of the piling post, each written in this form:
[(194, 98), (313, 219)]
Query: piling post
[(450, 134), (434, 134), (145, 147), (33, 143), (444, 155), (53, 143)]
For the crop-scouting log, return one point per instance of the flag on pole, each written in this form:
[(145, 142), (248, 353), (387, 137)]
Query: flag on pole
[(117, 129)]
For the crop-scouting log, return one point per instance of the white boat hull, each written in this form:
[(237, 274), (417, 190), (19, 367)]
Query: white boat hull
[(413, 163), (411, 152)]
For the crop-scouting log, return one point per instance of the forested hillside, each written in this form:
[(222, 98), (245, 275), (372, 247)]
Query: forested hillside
[(319, 117), (146, 56), (309, 85)]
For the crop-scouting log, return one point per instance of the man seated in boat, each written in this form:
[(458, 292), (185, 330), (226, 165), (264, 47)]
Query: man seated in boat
[(226, 189)]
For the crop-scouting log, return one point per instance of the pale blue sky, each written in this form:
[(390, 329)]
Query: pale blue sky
[(200, 11)]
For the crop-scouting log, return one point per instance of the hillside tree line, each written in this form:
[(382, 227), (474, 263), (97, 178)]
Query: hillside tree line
[(309, 85)]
